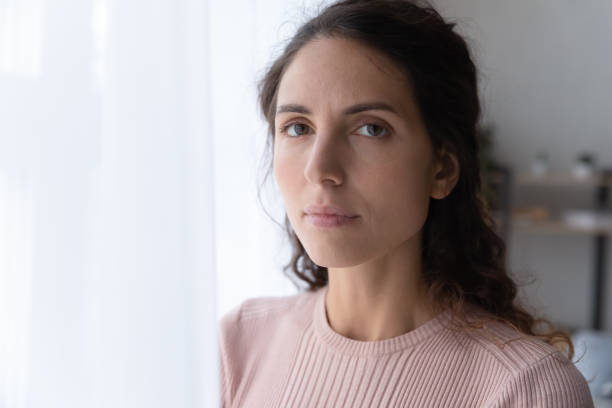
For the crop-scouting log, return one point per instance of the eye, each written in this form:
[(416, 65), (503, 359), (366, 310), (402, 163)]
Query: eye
[(295, 129), (373, 130)]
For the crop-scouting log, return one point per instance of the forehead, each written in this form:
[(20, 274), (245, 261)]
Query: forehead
[(336, 72)]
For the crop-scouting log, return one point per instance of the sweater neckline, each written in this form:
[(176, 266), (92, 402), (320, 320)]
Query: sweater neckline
[(350, 346)]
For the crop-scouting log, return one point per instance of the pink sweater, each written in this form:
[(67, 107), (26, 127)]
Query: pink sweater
[(281, 352)]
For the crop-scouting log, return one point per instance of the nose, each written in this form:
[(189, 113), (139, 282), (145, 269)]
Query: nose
[(326, 159)]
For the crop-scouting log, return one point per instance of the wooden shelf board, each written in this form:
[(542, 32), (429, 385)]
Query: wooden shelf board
[(557, 227), (563, 179)]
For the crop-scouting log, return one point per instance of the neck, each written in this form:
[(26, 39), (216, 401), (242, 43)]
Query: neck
[(380, 299)]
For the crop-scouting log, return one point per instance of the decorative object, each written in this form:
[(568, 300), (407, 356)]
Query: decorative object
[(539, 166), (531, 214), (584, 166), (588, 218)]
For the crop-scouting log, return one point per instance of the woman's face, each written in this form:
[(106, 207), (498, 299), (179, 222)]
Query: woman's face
[(348, 133)]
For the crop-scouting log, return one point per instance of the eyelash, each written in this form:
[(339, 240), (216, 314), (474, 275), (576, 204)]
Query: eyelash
[(387, 131)]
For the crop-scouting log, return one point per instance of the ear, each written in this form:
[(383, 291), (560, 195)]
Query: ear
[(445, 175)]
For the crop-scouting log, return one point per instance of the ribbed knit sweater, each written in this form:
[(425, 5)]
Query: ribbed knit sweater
[(281, 352)]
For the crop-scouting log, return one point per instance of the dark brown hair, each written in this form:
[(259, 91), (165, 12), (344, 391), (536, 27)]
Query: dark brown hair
[(463, 257)]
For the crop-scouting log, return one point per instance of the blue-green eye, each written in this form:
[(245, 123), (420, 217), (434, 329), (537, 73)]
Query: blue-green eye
[(295, 129), (374, 130)]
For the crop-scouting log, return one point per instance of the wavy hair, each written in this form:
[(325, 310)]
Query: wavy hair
[(459, 232)]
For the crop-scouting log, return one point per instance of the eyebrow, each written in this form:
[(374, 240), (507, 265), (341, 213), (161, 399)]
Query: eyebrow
[(351, 110)]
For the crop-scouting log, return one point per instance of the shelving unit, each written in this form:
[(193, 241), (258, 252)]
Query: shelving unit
[(503, 182)]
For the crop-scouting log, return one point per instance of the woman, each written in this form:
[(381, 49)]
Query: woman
[(372, 110)]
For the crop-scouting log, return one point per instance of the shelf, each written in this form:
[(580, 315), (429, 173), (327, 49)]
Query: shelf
[(557, 227), (564, 179), (540, 220)]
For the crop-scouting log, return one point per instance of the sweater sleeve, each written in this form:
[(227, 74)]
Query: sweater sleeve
[(551, 382), (222, 379), (227, 326)]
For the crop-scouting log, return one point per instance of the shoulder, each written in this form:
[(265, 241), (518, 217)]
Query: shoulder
[(264, 316), (531, 372), (254, 311), (249, 333), (552, 381)]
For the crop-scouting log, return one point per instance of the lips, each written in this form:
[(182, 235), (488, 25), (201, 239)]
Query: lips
[(328, 210), (319, 220)]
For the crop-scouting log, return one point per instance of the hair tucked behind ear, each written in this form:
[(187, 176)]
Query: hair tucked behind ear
[(463, 257)]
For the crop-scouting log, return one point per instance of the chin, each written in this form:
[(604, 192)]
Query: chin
[(327, 256)]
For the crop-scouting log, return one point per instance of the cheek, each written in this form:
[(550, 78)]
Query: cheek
[(402, 194), (286, 173)]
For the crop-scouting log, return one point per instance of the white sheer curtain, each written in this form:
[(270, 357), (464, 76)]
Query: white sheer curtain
[(107, 255)]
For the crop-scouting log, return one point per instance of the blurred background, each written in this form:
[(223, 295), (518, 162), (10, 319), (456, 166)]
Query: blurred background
[(131, 153)]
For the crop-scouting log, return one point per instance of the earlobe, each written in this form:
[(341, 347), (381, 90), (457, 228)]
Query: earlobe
[(446, 175)]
